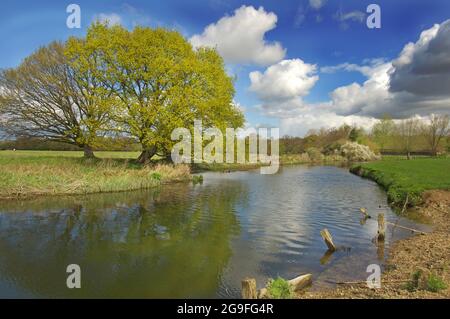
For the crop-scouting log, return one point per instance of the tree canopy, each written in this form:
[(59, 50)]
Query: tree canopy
[(159, 82), (141, 83)]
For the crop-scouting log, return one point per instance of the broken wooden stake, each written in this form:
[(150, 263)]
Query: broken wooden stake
[(381, 227), (301, 282), (407, 228), (249, 288), (328, 239)]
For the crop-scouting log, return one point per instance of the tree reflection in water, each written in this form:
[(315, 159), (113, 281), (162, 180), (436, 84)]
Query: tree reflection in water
[(170, 243)]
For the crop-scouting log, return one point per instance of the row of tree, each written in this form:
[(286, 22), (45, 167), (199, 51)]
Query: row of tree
[(414, 133), (114, 82), (429, 135)]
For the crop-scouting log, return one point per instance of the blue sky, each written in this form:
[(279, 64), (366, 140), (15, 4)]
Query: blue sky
[(294, 89)]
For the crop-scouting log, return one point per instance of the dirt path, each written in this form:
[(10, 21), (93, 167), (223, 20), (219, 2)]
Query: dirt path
[(425, 254)]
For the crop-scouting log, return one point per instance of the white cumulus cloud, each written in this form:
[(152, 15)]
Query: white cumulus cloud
[(416, 83), (285, 80), (240, 38)]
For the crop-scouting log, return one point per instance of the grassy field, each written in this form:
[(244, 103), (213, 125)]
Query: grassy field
[(45, 154), (32, 173), (407, 178)]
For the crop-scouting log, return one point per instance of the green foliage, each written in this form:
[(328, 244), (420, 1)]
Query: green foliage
[(156, 176), (413, 284), (435, 283), (279, 289), (159, 82), (314, 154), (354, 134), (403, 178), (197, 179), (426, 281), (333, 148), (383, 130)]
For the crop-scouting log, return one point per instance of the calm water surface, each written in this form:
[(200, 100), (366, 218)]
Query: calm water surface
[(185, 241)]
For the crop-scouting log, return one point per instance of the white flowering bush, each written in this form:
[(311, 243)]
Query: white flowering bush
[(355, 152)]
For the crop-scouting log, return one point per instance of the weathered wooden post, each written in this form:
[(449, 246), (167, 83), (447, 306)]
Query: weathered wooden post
[(328, 239), (249, 288), (381, 227), (301, 282)]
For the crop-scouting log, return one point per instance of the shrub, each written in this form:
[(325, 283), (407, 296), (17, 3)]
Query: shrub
[(435, 283), (279, 289), (197, 179), (333, 148), (355, 152), (423, 279), (156, 176), (314, 154), (412, 285)]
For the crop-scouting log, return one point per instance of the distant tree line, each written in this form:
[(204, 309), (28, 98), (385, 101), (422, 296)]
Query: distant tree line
[(413, 135), (41, 144), (406, 136)]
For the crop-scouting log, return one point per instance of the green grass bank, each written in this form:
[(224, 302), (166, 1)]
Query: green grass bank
[(404, 179)]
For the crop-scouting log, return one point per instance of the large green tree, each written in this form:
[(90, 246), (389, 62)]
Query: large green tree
[(160, 83)]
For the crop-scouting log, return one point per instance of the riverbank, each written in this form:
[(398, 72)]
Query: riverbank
[(406, 180), (417, 267), (285, 160), (25, 174), (35, 173)]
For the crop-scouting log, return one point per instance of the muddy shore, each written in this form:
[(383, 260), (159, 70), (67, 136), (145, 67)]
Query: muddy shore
[(427, 255)]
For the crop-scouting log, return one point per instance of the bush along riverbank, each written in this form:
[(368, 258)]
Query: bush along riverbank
[(419, 266)]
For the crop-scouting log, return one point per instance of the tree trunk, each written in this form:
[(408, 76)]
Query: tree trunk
[(147, 154), (88, 152)]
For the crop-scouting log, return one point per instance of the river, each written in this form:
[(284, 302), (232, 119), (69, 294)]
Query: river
[(195, 241)]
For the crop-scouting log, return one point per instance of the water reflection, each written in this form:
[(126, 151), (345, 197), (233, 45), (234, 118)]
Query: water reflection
[(140, 244)]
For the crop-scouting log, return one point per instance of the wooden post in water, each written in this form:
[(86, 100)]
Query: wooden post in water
[(381, 227), (328, 239), (249, 288)]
